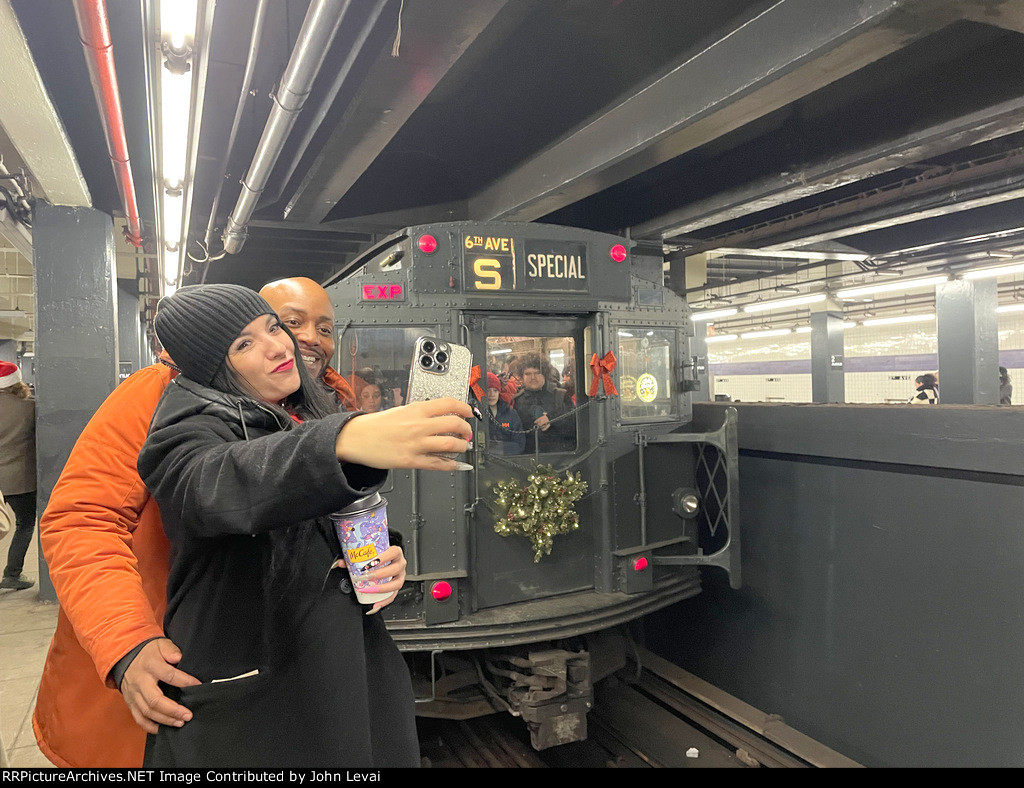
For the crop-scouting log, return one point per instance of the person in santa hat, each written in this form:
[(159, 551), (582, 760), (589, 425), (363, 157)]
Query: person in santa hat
[(17, 469)]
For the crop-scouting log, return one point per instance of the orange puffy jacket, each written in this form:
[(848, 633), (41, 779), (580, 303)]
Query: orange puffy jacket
[(108, 558)]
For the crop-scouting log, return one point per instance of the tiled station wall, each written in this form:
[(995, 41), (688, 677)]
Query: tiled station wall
[(881, 363)]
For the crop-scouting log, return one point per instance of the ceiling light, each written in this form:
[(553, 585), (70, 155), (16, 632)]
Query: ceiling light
[(888, 287), (804, 330), (1011, 308), (787, 289), (713, 314), (178, 21), (999, 253), (999, 270), (771, 332), (884, 321), (762, 306), (722, 338), (849, 324)]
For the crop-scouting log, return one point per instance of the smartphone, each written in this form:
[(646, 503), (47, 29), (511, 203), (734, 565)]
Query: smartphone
[(439, 369)]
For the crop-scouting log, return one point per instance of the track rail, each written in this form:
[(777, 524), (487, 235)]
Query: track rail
[(661, 717)]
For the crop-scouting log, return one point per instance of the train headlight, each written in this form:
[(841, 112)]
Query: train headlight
[(618, 253), (427, 244), (441, 590), (685, 503)]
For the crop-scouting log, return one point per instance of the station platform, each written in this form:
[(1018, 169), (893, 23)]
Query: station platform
[(26, 626)]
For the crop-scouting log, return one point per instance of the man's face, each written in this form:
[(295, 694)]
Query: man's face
[(305, 308), (533, 378)]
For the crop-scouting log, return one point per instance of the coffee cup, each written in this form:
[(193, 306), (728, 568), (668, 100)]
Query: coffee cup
[(362, 528)]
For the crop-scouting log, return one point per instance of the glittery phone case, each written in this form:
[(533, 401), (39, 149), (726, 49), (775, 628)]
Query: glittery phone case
[(439, 369)]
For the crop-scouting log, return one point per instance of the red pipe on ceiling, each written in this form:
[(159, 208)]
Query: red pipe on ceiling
[(94, 32)]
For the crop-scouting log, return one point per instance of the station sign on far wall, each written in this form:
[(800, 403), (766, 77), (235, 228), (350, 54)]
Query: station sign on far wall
[(493, 265)]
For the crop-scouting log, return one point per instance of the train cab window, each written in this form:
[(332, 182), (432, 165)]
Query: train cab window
[(375, 362), (644, 365), (533, 411)]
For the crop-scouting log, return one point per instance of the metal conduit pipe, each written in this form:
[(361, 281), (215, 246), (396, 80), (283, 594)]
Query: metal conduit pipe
[(328, 101), (250, 66), (318, 30), (94, 32)]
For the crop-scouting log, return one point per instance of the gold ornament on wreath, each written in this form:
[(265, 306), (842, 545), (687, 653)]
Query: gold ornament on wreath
[(541, 509)]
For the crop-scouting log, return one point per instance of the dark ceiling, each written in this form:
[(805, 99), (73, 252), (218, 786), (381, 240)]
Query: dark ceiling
[(873, 126)]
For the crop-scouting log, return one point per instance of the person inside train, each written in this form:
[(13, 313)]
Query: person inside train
[(505, 433), (371, 398), (927, 390), (108, 559), (247, 461), (542, 405)]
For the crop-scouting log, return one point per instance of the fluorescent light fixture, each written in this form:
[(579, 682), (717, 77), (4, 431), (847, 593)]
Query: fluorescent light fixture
[(884, 321), (849, 324), (501, 352), (888, 287), (722, 338), (1011, 308), (999, 270), (178, 21), (172, 219), (171, 261), (713, 314), (175, 105), (999, 253), (804, 330), (763, 306), (771, 332)]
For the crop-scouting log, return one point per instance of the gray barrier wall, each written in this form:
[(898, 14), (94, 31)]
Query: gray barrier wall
[(882, 611)]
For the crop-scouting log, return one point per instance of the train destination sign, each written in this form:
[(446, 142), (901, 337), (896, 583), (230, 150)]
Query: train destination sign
[(498, 264)]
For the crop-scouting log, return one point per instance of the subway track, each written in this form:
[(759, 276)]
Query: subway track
[(659, 717)]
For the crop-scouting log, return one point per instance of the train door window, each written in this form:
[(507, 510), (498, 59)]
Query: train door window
[(645, 361), (538, 380), (375, 361)]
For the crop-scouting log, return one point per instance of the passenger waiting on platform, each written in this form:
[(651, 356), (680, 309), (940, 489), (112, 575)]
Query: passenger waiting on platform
[(108, 559), (927, 390), (1005, 387), (17, 469), (247, 462), (504, 427), (540, 404)]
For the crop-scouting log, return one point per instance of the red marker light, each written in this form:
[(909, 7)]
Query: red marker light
[(640, 564), (427, 244), (441, 591), (618, 253)]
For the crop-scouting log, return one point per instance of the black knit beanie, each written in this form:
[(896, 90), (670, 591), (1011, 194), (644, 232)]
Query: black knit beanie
[(197, 324)]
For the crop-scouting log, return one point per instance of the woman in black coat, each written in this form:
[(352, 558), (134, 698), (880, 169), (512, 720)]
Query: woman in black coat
[(247, 464)]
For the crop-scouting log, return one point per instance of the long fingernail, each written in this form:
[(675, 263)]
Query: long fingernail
[(463, 466), (477, 413)]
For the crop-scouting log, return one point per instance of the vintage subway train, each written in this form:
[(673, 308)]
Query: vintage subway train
[(490, 621)]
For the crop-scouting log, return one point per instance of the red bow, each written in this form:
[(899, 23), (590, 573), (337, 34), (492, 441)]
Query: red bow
[(474, 383), (602, 369)]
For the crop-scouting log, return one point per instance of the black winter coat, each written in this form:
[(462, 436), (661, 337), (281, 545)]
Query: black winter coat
[(243, 494)]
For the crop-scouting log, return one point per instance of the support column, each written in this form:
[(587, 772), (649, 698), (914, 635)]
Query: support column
[(129, 330), (76, 336), (828, 379), (968, 337), (696, 275)]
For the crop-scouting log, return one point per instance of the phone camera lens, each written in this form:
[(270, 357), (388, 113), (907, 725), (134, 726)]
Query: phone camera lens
[(441, 357), (428, 347), (426, 362), (439, 367)]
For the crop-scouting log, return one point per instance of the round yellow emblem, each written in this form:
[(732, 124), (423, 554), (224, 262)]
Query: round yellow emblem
[(647, 387)]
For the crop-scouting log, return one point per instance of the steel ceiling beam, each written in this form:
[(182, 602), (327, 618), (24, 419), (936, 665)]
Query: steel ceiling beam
[(31, 122), (790, 50), (442, 31), (832, 172)]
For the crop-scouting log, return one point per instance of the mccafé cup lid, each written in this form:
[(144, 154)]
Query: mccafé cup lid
[(366, 502)]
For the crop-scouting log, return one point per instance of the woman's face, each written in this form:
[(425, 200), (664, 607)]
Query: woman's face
[(263, 357), (369, 398), (492, 397)]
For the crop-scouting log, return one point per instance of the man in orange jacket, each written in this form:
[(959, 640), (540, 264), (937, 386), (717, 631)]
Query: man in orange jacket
[(108, 559)]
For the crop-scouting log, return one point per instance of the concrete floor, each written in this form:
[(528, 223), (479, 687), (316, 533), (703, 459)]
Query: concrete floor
[(26, 626)]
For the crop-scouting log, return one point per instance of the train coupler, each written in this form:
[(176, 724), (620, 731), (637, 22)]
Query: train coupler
[(552, 691)]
